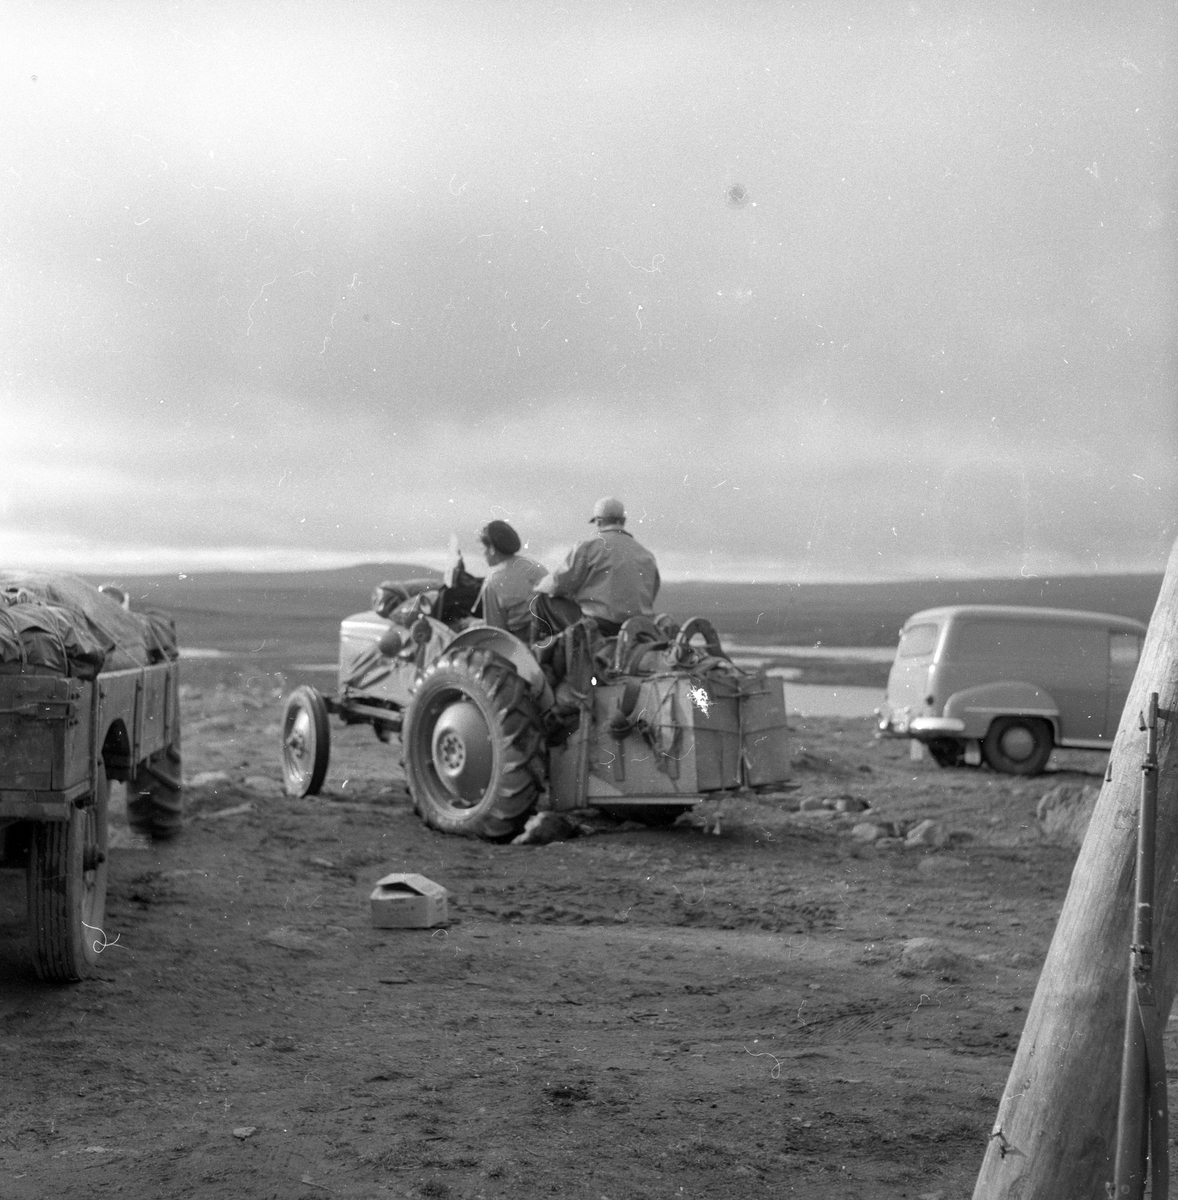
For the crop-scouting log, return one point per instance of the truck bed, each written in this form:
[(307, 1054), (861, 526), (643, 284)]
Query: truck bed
[(54, 728)]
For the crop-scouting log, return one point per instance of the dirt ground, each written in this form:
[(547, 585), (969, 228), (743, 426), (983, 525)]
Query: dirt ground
[(637, 1013)]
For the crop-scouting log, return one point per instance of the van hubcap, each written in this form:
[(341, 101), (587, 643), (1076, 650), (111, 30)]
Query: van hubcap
[(1018, 743)]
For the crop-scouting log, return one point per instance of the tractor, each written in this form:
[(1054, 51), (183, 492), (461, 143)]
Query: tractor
[(643, 725)]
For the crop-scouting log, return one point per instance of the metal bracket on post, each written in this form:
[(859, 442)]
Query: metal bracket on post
[(1143, 1145)]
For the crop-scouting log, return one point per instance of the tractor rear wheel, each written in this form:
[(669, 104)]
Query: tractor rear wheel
[(474, 746), (67, 889), (156, 807)]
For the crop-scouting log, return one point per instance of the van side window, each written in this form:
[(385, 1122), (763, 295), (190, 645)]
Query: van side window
[(1023, 641), (918, 641), (1124, 649)]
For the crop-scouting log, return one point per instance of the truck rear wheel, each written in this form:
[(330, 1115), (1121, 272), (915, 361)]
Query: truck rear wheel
[(67, 890), (155, 801), (474, 749), (306, 742), (1017, 745)]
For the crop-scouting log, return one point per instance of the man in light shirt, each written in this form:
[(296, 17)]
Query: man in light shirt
[(507, 591), (609, 576)]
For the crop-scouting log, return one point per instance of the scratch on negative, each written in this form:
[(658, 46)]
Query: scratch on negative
[(249, 312)]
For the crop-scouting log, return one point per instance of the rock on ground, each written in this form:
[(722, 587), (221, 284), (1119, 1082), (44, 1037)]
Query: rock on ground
[(544, 827), (851, 804), (929, 954), (928, 833), (1064, 812)]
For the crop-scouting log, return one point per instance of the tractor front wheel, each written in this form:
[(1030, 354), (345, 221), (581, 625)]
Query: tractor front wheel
[(474, 746), (306, 742)]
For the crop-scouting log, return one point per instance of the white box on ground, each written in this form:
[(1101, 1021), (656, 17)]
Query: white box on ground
[(409, 902)]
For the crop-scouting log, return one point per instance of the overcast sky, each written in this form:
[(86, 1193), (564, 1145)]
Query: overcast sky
[(828, 290)]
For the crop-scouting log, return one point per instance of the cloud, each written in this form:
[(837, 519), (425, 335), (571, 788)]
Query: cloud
[(329, 285), (799, 489)]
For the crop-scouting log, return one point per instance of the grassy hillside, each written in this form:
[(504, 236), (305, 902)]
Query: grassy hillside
[(295, 593), (269, 613), (300, 612)]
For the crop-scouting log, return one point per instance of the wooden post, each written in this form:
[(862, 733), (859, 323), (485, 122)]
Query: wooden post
[(1055, 1134)]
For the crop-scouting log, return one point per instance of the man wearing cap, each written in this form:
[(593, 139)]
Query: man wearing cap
[(610, 575), (507, 590)]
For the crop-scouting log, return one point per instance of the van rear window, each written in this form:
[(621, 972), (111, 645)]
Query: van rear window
[(918, 641), (1124, 649)]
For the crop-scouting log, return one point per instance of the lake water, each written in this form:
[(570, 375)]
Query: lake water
[(758, 654), (813, 699), (819, 700)]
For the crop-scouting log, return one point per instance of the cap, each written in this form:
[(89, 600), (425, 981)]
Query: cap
[(608, 508), (501, 536)]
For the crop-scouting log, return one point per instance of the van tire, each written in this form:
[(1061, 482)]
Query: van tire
[(1018, 745)]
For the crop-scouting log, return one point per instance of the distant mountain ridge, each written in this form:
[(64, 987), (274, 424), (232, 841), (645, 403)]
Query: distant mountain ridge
[(330, 593), (870, 614), (846, 614)]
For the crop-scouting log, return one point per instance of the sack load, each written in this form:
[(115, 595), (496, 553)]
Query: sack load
[(59, 623)]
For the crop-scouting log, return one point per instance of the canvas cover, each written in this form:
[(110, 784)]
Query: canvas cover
[(59, 623)]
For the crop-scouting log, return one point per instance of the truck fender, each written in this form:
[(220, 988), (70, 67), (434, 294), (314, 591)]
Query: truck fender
[(978, 706), (508, 646)]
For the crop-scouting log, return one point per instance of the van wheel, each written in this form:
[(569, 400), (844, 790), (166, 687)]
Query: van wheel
[(947, 752), (1017, 745)]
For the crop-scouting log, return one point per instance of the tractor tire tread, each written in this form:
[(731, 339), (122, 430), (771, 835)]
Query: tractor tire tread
[(157, 808), (521, 771)]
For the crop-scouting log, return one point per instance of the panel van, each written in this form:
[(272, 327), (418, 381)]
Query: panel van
[(1004, 684)]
